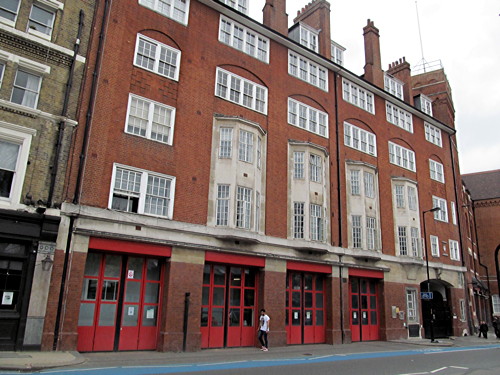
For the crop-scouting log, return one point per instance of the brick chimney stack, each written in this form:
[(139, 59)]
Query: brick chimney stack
[(317, 15), (373, 64), (401, 70), (275, 16)]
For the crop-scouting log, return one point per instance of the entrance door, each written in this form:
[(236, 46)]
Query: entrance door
[(119, 286), (228, 306), (305, 311), (364, 309), (14, 294)]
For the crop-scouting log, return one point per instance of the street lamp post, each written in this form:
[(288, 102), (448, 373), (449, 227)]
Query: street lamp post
[(434, 209)]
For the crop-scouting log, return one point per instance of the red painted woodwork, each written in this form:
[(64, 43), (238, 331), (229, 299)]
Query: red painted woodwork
[(305, 308), (130, 247), (358, 272), (242, 260), (120, 283), (308, 267), (364, 311), (228, 315)]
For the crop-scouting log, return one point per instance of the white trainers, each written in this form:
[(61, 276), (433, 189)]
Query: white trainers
[(265, 349)]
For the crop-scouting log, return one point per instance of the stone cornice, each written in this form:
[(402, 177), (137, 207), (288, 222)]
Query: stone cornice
[(32, 49)]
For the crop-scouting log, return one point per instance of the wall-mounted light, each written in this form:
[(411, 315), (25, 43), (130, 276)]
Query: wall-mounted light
[(47, 263)]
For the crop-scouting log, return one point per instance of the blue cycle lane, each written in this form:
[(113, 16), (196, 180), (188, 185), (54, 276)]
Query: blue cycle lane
[(246, 364)]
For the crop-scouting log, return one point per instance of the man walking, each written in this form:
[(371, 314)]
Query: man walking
[(263, 330)]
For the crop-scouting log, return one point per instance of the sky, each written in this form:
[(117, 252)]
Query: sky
[(463, 35)]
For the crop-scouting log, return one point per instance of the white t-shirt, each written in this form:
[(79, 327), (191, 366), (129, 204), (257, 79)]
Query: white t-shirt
[(264, 322)]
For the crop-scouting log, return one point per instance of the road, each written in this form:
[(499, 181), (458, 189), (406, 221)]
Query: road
[(474, 360)]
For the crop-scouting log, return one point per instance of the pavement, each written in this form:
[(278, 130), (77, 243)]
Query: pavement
[(37, 361)]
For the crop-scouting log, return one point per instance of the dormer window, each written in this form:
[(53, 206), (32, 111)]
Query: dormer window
[(424, 103), (393, 86), (337, 53), (306, 36), (239, 5)]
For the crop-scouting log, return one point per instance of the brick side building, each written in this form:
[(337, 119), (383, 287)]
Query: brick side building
[(223, 166), (484, 191), (42, 55)]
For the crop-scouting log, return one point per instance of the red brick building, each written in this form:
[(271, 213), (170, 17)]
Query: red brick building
[(222, 166), (484, 206)]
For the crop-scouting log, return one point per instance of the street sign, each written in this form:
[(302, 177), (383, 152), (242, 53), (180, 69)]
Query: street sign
[(426, 295)]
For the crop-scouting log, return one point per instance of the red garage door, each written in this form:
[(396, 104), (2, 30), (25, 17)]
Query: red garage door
[(120, 303)]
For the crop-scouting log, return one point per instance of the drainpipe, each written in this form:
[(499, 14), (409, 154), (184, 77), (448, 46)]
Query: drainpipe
[(92, 102), (339, 200), (342, 332), (339, 203), (60, 130)]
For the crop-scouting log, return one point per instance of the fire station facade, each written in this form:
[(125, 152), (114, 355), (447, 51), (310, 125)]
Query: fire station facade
[(222, 166)]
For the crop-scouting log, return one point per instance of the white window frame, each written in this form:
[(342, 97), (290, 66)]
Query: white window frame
[(222, 206), (2, 71), (298, 220), (454, 250), (173, 10), (436, 170), (412, 305), (257, 211), (357, 231), (31, 27), (315, 168), (150, 121), (453, 213), (308, 118), (243, 39), (316, 222), (433, 134), (306, 70), (402, 157), (159, 49), (393, 86), (225, 87), (442, 214), (142, 193), (10, 11), (21, 136), (412, 198), (239, 5), (402, 240), (299, 166), (399, 117), (495, 303), (425, 104), (415, 242), (369, 184), (355, 181), (308, 37), (434, 240), (399, 196), (245, 146), (225, 142), (358, 96), (371, 233), (337, 52), (36, 91), (243, 217), (360, 139)]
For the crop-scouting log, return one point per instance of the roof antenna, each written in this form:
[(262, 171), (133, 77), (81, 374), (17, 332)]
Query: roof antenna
[(423, 62)]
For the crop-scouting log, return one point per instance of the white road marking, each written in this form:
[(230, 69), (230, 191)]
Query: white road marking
[(439, 369)]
